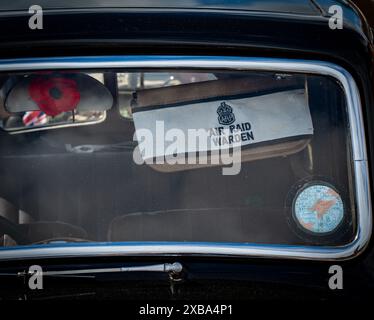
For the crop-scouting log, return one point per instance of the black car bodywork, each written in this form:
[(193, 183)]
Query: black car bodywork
[(274, 29)]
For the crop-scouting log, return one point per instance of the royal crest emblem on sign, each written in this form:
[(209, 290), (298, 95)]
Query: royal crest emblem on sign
[(225, 114)]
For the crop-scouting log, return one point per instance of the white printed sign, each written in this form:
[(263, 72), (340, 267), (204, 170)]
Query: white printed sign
[(225, 123)]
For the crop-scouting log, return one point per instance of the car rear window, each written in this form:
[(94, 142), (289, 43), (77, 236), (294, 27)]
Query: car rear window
[(182, 156)]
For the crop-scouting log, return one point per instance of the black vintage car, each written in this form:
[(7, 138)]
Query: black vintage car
[(186, 150)]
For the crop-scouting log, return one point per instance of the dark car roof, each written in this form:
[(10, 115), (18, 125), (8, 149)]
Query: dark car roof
[(290, 6), (197, 27), (367, 8)]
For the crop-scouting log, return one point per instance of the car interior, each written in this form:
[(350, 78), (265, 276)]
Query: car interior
[(79, 183)]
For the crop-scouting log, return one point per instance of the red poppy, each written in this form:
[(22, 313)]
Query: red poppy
[(54, 95)]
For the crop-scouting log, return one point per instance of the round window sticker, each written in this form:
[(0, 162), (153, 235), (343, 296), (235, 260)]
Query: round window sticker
[(318, 209)]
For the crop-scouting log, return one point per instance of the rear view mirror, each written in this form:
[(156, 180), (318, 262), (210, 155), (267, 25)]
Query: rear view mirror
[(50, 100)]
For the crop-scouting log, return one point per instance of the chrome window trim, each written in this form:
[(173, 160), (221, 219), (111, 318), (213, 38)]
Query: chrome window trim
[(360, 163)]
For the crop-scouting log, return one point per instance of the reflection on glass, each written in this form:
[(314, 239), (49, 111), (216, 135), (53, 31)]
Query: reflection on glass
[(130, 82), (38, 119)]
